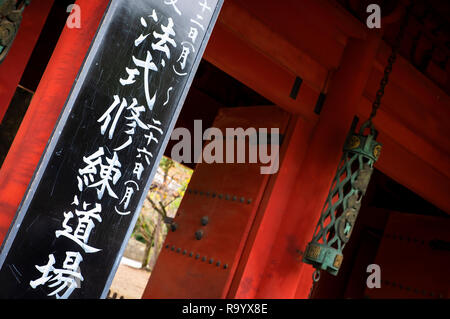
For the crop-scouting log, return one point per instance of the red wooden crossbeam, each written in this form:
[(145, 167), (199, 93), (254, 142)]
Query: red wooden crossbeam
[(44, 110), (12, 67)]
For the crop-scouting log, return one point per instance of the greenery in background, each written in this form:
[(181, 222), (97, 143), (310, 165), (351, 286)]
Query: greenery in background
[(160, 207)]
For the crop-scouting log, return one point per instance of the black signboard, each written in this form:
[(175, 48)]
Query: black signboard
[(72, 227)]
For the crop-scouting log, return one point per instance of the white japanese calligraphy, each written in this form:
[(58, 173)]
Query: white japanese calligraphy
[(108, 172), (129, 191), (205, 6), (138, 169), (165, 38), (65, 279), (85, 225), (173, 3)]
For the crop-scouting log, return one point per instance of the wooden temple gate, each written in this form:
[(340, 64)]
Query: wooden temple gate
[(252, 244)]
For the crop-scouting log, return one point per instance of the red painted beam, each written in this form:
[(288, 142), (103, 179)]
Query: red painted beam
[(260, 37), (414, 101), (44, 110), (411, 100), (12, 67), (339, 17), (235, 57), (411, 140), (304, 24), (412, 172)]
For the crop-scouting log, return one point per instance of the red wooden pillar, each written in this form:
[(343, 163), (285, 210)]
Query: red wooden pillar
[(273, 208), (44, 110), (11, 69), (285, 276)]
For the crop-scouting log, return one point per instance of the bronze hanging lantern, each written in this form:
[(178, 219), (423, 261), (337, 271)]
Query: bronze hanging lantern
[(339, 213), (343, 202), (10, 19)]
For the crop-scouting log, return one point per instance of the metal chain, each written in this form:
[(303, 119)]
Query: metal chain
[(396, 46)]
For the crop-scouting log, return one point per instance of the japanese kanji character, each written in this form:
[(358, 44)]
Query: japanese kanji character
[(66, 279), (106, 117), (154, 127), (199, 17), (147, 65), (135, 111), (138, 169), (85, 225), (146, 153), (192, 34), (204, 6), (129, 191), (173, 4), (150, 138), (187, 46), (109, 172), (165, 38)]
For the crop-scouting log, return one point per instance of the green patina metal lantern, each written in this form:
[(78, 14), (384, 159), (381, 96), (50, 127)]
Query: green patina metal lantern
[(10, 19), (339, 213), (342, 205)]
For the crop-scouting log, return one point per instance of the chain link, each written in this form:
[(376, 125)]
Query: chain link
[(384, 81)]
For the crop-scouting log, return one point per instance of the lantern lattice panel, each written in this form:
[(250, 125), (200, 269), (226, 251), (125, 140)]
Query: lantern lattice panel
[(343, 201)]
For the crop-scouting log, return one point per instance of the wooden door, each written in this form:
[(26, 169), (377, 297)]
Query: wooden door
[(220, 203), (414, 258)]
